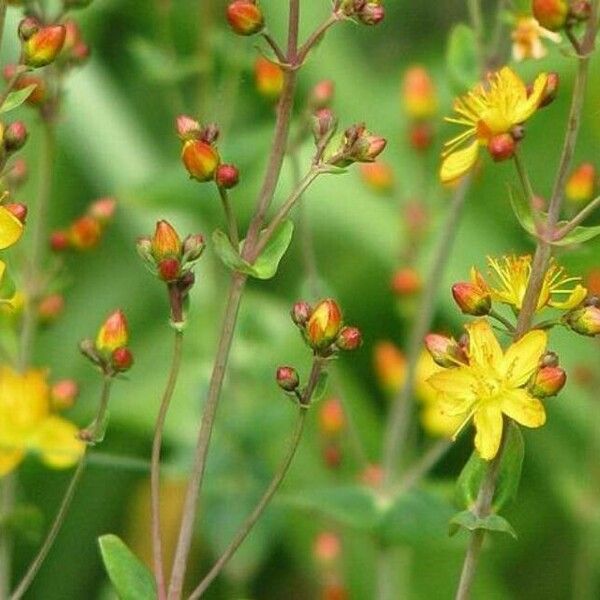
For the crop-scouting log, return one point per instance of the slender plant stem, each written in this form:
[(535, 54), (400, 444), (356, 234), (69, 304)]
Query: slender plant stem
[(155, 466), (274, 46), (399, 419), (65, 505), (32, 278), (539, 267), (496, 315), (258, 511), (578, 218), (314, 39), (527, 188), (232, 227), (7, 500)]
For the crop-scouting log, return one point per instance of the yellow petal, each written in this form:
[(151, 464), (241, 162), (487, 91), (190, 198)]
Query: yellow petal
[(526, 108), (455, 385), (578, 295), (458, 163), (426, 367), (436, 423), (522, 358), (9, 460), (523, 408), (10, 228), (484, 349), (511, 81), (56, 440), (488, 423)]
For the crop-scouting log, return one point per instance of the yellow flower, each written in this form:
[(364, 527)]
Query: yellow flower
[(512, 275), (26, 423), (488, 111), (10, 228), (527, 39), (491, 386)]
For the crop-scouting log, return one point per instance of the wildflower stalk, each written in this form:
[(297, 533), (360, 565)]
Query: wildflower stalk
[(578, 219), (155, 466), (65, 504), (232, 227), (277, 480), (7, 500), (540, 264)]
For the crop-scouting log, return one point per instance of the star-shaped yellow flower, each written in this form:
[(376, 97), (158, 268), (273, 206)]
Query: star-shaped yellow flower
[(10, 228), (492, 385), (487, 111), (26, 423)]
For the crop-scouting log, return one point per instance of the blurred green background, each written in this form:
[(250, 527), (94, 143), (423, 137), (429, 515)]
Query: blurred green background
[(116, 137)]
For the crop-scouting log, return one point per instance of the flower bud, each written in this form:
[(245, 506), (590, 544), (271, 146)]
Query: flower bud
[(327, 548), (349, 338), (445, 351), (419, 96), (321, 95), (332, 419), (420, 136), (551, 14), (72, 37), (581, 185), (379, 176), (592, 282), (85, 233), (324, 125), (471, 299), (227, 176), (390, 366), (200, 159), (114, 333), (580, 10), (59, 241), (324, 324), (15, 136), (28, 27), (300, 313), (370, 148), (121, 359), (187, 128), (245, 17), (63, 394), (193, 247), (210, 133), (50, 307), (42, 47), (80, 53), (17, 173), (103, 209), (268, 78), (585, 320), (551, 89), (332, 455), (406, 282), (17, 209), (166, 242), (549, 359), (372, 476), (287, 378), (547, 382), (372, 13), (501, 147), (169, 269)]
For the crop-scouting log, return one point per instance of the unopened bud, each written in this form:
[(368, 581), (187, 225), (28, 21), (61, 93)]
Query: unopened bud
[(332, 455), (547, 382), (114, 333), (121, 359), (193, 247), (165, 242), (379, 176), (580, 10), (200, 159), (501, 147), (322, 94), (59, 241), (581, 185), (17, 209), (332, 419), (324, 124), (372, 476), (187, 128), (169, 269), (471, 299), (327, 547), (15, 136), (551, 14), (227, 176), (50, 307), (85, 233), (245, 17), (300, 313), (420, 136), (210, 133), (551, 89), (372, 13), (103, 210), (549, 359), (406, 282), (349, 338), (390, 366), (268, 78), (287, 378), (419, 95), (324, 324), (63, 394), (42, 47), (28, 27), (17, 173), (585, 320), (445, 351)]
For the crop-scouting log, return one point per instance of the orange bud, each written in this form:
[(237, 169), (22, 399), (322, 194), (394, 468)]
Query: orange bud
[(406, 282), (324, 324), (85, 233), (268, 78), (593, 282), (420, 136), (582, 183), (332, 419), (349, 338), (327, 547), (419, 96), (322, 94), (103, 209), (200, 159), (551, 14), (287, 378), (379, 176), (390, 366), (63, 394), (372, 476), (42, 48), (166, 242), (245, 17), (547, 382), (18, 209), (50, 307), (59, 241), (114, 333), (445, 351), (472, 299), (501, 147), (169, 269), (121, 359)]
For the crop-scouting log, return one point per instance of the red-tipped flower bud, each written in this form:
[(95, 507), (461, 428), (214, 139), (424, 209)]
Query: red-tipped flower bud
[(580, 10), (59, 241), (324, 324), (121, 359), (287, 378), (103, 209), (28, 27), (200, 159), (582, 184), (15, 136), (445, 351), (268, 78), (85, 233), (406, 282), (193, 247), (324, 124), (471, 299), (245, 17), (327, 547), (547, 382), (17, 209), (114, 333), (390, 366), (332, 419), (584, 320), (349, 338), (63, 394), (188, 128), (169, 269), (17, 173), (419, 95), (165, 242), (502, 147), (42, 47), (420, 136), (50, 308), (300, 313), (551, 89), (379, 176), (551, 14), (372, 13), (227, 176), (322, 94)]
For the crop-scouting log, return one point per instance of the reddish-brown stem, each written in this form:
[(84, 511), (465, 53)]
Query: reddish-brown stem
[(579, 218)]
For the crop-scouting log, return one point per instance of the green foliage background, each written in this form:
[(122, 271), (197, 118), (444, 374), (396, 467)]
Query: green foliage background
[(116, 137)]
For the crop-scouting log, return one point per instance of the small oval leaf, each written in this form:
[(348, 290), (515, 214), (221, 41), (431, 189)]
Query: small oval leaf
[(16, 98)]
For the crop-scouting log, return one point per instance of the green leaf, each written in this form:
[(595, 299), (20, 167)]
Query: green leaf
[(579, 235), (16, 98), (474, 472), (461, 57), (467, 520), (26, 521), (130, 578), (522, 210), (266, 265)]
